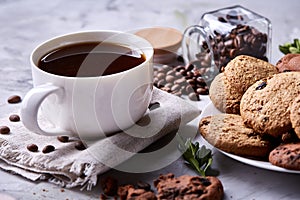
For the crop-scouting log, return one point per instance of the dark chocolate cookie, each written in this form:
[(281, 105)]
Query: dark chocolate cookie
[(188, 187), (286, 156)]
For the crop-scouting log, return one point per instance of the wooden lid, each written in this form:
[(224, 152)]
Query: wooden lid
[(163, 39)]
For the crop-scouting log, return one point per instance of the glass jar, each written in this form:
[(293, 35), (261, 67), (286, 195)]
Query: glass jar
[(223, 34)]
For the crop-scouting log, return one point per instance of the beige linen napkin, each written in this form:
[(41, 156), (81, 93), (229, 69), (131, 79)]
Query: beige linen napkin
[(70, 167)]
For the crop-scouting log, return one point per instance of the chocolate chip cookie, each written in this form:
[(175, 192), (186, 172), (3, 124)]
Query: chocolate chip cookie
[(243, 71), (286, 156), (224, 97), (228, 133), (188, 187), (265, 105)]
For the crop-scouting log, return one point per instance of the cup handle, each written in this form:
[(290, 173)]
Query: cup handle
[(30, 106)]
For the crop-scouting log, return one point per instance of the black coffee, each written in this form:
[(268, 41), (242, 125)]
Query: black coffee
[(90, 59)]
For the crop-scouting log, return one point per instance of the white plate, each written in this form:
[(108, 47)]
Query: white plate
[(209, 110)]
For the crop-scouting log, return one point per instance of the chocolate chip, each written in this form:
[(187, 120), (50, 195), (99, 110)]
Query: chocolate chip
[(205, 181), (144, 185), (48, 149), (79, 145), (14, 99), (32, 147), (14, 118), (4, 130), (63, 138), (261, 86), (287, 70)]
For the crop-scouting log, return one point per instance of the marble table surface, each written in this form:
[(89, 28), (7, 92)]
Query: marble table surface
[(25, 24)]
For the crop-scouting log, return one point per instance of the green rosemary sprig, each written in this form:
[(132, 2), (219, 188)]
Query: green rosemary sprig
[(199, 158)]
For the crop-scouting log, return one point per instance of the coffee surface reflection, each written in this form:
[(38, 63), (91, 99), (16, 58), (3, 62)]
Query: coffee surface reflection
[(90, 59)]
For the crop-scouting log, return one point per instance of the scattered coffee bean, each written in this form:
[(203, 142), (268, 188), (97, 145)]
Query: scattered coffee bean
[(48, 149), (63, 138), (14, 118), (79, 145), (193, 97), (32, 147), (14, 99), (4, 130)]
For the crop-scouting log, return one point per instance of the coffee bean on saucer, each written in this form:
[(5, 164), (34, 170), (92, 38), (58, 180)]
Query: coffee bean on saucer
[(79, 145), (48, 149), (14, 118), (32, 147), (4, 130), (63, 138), (14, 99)]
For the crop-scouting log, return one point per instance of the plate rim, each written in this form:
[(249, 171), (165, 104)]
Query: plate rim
[(252, 162)]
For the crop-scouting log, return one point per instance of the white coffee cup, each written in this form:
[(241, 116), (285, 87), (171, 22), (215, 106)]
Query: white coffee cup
[(89, 106)]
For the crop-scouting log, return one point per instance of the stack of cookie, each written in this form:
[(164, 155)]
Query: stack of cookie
[(261, 112)]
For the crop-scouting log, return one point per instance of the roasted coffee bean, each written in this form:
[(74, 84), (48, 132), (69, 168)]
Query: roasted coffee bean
[(192, 82), (189, 67), (180, 79), (193, 96), (179, 93), (63, 138), (170, 78), (160, 75), (14, 118), (171, 72), (202, 91), (14, 99), (48, 149), (32, 147), (241, 40), (189, 89), (169, 85), (79, 145), (175, 87), (4, 130)]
